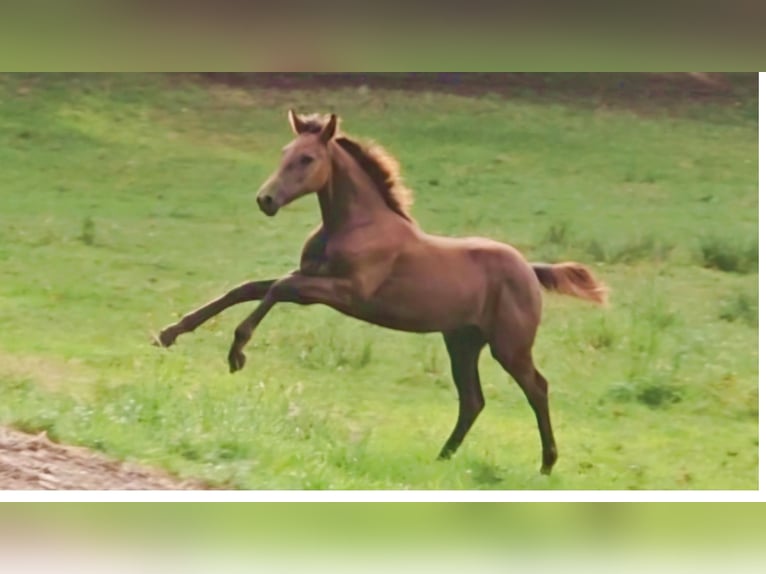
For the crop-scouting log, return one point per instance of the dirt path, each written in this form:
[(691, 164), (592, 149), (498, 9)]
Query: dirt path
[(33, 462)]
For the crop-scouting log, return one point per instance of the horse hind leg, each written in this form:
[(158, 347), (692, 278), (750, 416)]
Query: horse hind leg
[(464, 347), (519, 364)]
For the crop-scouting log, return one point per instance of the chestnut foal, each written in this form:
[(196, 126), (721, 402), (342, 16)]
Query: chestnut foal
[(370, 260)]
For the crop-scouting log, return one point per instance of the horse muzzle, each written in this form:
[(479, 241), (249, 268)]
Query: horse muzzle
[(268, 204)]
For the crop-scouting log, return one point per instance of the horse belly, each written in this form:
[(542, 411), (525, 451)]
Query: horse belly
[(417, 303)]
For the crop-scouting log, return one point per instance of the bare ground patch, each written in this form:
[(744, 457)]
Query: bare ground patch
[(34, 462)]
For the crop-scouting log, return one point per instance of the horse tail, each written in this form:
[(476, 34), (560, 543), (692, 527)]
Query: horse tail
[(571, 279)]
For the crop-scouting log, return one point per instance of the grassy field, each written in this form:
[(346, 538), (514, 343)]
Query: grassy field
[(126, 201)]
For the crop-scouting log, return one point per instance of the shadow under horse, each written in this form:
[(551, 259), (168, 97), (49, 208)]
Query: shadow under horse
[(370, 260)]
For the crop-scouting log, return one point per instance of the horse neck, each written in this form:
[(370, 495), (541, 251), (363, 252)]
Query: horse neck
[(350, 197)]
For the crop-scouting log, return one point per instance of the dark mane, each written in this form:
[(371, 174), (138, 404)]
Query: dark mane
[(383, 169)]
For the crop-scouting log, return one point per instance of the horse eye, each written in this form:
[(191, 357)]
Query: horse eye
[(306, 159)]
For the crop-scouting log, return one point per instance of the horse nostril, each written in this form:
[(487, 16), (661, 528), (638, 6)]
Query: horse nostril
[(267, 204)]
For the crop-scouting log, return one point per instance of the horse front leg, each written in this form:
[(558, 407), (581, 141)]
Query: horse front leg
[(250, 291), (297, 288)]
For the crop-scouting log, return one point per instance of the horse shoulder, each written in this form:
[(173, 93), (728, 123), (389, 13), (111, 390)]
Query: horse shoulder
[(367, 255)]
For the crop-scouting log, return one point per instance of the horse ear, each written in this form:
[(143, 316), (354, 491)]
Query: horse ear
[(298, 125), (328, 131)]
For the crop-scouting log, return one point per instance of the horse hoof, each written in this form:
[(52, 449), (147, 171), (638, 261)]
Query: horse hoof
[(236, 360), (549, 459), (166, 338)]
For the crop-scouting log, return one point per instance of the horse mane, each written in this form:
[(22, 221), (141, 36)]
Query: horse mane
[(383, 169), (377, 163)]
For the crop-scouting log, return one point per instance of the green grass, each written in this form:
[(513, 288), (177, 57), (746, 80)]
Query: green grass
[(126, 201), (727, 256)]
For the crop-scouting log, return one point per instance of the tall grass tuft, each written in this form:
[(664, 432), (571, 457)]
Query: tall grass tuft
[(728, 255), (644, 248), (88, 231), (651, 374), (557, 234), (558, 241), (740, 307), (640, 249)]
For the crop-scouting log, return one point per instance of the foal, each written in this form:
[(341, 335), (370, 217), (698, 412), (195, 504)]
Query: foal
[(370, 260)]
